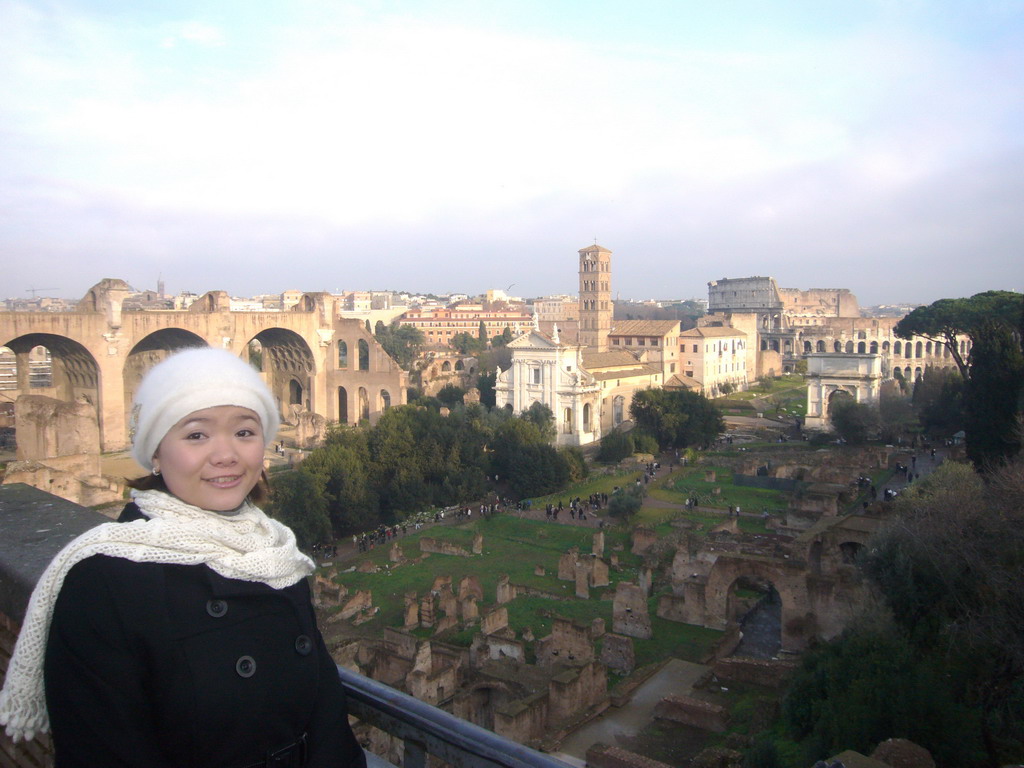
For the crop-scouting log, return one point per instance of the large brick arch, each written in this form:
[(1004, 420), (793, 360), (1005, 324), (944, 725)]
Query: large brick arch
[(790, 581), (76, 375)]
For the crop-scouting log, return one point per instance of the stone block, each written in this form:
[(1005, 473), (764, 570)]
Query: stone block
[(629, 612)]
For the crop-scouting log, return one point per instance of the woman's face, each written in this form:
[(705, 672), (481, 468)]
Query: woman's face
[(213, 457)]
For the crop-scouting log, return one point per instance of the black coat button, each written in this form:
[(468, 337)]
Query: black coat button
[(216, 608), (303, 645), (245, 666)]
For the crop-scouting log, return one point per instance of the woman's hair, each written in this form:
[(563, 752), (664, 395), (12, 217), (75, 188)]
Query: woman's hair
[(259, 493)]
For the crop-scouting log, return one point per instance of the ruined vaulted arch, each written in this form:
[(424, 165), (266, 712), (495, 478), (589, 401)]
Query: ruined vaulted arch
[(288, 367)]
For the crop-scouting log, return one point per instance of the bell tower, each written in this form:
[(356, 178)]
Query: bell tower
[(595, 297)]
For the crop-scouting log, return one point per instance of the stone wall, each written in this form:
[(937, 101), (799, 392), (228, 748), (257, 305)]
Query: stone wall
[(629, 612), (694, 712), (617, 653), (441, 547), (605, 756), (769, 673)]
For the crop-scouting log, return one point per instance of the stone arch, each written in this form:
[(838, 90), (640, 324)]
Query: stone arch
[(849, 347), (918, 348), (567, 421), (861, 347), (873, 349), (151, 350), (342, 405), (820, 347), (343, 354), (385, 400), (885, 347), (897, 348), (446, 366), (838, 395), (808, 348), (287, 358), (850, 550), (775, 345), (722, 603), (459, 365), (364, 405), (69, 371), (587, 410), (838, 346)]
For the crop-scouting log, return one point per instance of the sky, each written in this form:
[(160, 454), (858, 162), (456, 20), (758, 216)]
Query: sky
[(440, 146)]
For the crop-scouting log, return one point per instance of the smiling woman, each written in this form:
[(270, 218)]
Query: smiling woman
[(184, 634)]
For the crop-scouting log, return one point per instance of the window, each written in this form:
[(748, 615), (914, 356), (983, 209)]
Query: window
[(342, 354), (535, 375), (694, 347)]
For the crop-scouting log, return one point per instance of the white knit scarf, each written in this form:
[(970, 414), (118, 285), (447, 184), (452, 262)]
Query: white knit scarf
[(247, 545)]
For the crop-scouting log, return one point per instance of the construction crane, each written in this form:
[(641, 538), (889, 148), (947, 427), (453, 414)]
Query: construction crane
[(34, 291)]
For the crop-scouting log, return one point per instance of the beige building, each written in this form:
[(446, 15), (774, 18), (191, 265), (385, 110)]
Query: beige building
[(714, 356), (557, 309), (656, 340), (439, 326)]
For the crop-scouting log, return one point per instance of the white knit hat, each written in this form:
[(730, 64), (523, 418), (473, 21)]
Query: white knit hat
[(188, 381)]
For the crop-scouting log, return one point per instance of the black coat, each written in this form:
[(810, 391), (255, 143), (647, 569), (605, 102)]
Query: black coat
[(152, 665)]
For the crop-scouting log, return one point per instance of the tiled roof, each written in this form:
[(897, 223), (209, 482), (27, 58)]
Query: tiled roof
[(712, 331), (657, 328)]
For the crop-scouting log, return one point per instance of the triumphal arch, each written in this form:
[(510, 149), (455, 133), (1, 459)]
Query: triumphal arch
[(312, 360), (838, 375)]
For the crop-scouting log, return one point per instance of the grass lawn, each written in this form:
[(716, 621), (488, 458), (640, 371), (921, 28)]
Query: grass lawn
[(692, 481)]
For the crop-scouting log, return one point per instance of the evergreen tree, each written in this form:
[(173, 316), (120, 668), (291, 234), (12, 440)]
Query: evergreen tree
[(992, 397)]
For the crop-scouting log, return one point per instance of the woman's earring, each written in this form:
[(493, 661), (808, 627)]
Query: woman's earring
[(156, 471)]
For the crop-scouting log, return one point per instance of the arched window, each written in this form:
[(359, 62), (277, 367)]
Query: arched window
[(446, 366), (849, 347), (838, 346), (342, 354), (821, 346), (861, 348), (920, 348), (364, 355), (385, 400), (459, 365), (342, 405), (861, 335), (567, 422), (586, 418), (885, 346), (775, 345), (294, 392), (897, 348), (807, 347), (873, 349), (618, 409), (364, 405), (928, 349)]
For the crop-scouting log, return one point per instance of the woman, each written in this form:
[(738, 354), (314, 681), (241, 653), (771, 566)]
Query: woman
[(184, 634)]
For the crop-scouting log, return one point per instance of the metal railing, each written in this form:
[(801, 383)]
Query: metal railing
[(427, 730)]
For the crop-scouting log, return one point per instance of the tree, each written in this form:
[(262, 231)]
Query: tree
[(541, 417), (626, 501), (677, 418), (467, 344), (854, 422), (944, 320), (615, 446), (401, 342), (485, 383), (992, 397), (481, 334), (938, 400), (297, 499), (451, 395)]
